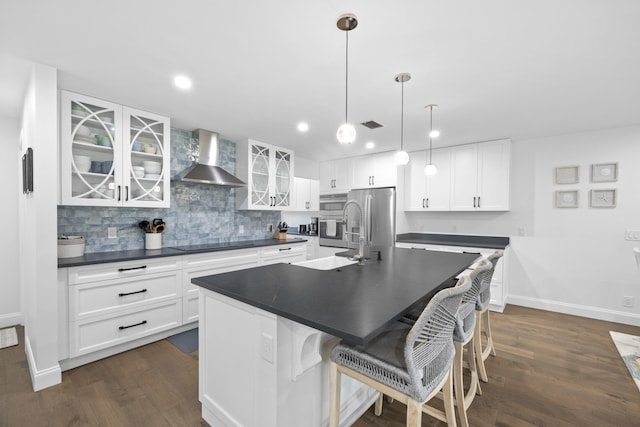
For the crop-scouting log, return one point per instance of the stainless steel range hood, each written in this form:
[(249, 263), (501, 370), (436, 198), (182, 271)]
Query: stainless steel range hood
[(207, 170)]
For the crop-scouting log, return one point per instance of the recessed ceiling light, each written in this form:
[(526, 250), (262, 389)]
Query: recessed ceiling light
[(183, 82), (303, 127), (370, 145)]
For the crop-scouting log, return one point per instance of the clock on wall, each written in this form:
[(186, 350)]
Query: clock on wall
[(603, 198)]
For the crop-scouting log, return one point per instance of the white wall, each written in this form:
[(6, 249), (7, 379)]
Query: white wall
[(9, 190), (38, 228), (568, 260)]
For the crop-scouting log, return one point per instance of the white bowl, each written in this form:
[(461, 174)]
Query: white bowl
[(83, 130), (152, 167), (81, 159)]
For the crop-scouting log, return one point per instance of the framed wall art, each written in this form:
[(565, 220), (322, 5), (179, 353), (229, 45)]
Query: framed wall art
[(567, 199), (567, 175), (603, 198), (604, 172)]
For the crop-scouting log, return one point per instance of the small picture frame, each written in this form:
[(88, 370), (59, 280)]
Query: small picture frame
[(567, 199), (604, 172), (605, 198), (567, 175)]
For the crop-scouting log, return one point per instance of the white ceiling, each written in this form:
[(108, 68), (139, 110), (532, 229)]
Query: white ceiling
[(497, 68)]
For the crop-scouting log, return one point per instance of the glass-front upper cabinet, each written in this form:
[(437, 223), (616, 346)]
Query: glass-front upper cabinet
[(112, 155), (268, 171)]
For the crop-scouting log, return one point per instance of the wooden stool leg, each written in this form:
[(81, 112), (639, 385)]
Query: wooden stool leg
[(487, 328), (334, 395), (458, 384), (447, 393), (414, 413), (378, 407), (477, 343)]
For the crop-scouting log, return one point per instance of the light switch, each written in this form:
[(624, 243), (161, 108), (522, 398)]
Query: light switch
[(112, 233)]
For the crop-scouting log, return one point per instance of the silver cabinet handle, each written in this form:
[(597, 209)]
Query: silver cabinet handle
[(126, 193), (478, 201), (427, 202), (424, 203), (124, 294), (119, 193), (144, 322), (474, 202)]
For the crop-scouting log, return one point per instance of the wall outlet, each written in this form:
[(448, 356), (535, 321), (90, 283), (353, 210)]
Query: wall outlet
[(266, 350), (627, 301), (112, 233), (632, 235), (270, 228), (241, 229)]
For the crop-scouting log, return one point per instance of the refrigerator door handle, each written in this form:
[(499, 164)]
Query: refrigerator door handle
[(369, 219)]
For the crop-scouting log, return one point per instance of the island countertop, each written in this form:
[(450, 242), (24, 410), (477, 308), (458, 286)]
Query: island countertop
[(354, 302)]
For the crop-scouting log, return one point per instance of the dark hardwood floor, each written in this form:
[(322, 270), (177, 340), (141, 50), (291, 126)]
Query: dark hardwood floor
[(551, 370)]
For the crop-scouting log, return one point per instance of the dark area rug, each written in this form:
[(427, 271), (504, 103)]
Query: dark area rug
[(185, 341)]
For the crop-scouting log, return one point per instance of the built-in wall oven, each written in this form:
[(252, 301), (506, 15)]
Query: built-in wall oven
[(330, 222)]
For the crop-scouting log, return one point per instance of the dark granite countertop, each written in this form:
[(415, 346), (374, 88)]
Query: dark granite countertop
[(131, 255), (353, 302), (474, 241)]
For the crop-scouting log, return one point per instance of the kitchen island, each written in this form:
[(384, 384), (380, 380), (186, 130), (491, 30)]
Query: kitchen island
[(265, 332)]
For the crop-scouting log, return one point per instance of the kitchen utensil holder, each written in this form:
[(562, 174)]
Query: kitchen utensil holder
[(153, 241)]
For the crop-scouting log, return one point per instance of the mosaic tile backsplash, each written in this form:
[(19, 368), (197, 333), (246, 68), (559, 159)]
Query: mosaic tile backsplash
[(198, 214)]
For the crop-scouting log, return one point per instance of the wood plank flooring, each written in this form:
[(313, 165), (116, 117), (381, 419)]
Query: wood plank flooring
[(551, 370)]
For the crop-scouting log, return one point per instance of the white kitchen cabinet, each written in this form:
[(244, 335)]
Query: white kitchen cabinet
[(480, 176), (306, 194), (268, 172), (113, 139), (428, 193), (199, 265), (500, 279), (334, 176), (114, 303), (377, 170)]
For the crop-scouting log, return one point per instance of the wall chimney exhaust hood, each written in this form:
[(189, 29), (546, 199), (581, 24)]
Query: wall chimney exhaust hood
[(206, 170)]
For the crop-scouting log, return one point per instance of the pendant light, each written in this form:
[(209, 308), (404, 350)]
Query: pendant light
[(431, 169), (346, 132), (402, 157)]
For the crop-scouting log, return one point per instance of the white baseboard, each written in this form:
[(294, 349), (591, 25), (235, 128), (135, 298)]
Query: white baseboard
[(577, 310), (41, 379), (10, 319)]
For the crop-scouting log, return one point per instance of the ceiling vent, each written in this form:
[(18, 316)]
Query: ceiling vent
[(371, 124)]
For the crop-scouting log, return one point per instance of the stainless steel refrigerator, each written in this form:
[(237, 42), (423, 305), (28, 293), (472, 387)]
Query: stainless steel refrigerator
[(378, 207)]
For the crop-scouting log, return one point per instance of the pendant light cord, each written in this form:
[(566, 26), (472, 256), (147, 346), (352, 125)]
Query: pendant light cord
[(430, 132), (402, 119), (346, 80)]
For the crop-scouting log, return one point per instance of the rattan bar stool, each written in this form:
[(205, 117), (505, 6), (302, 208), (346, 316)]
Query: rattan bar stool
[(463, 337), (483, 324), (410, 363)]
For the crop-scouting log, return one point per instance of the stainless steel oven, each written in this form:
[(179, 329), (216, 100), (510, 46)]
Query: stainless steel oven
[(330, 222)]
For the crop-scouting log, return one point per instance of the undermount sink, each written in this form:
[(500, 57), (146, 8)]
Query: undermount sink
[(326, 263)]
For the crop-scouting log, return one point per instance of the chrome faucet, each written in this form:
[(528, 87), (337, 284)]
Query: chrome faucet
[(360, 256)]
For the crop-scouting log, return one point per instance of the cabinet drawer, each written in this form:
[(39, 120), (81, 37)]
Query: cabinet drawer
[(117, 270), (284, 253), (95, 334), (221, 262), (110, 296)]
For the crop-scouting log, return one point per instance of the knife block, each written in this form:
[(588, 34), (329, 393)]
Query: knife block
[(280, 235)]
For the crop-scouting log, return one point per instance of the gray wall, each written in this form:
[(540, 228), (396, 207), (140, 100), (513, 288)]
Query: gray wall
[(198, 214)]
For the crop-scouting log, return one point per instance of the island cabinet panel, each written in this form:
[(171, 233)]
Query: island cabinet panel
[(257, 369), (499, 282), (206, 264), (114, 303)]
